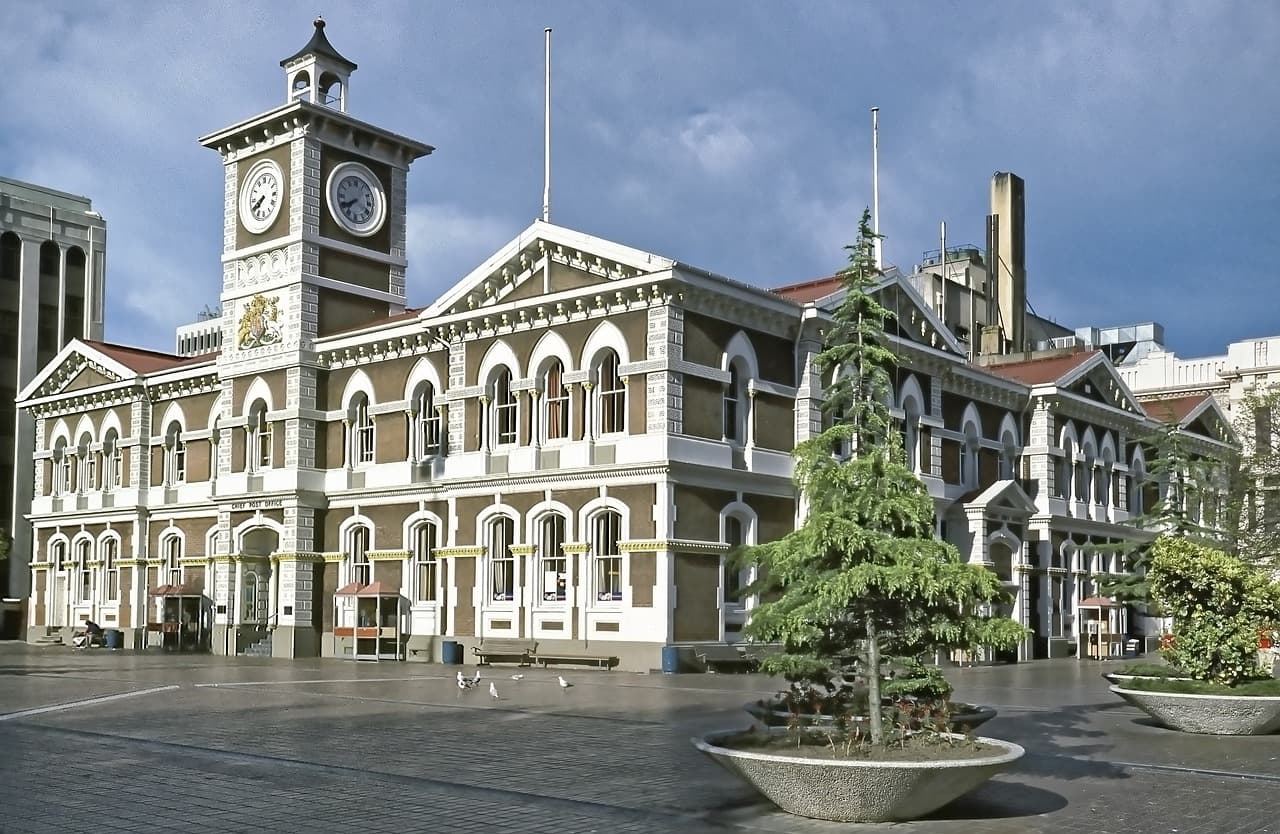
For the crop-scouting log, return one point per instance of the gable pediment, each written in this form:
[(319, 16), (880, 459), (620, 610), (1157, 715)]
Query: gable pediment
[(1004, 498), (1098, 381), (543, 260), (77, 367), (912, 320), (89, 376)]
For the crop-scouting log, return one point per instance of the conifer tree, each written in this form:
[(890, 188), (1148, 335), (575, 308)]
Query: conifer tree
[(863, 573)]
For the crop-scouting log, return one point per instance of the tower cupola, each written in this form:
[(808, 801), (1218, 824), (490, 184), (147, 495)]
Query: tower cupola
[(318, 73)]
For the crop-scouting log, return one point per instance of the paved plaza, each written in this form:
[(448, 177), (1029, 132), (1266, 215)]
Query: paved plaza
[(105, 741)]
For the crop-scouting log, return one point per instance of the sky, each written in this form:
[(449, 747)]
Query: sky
[(734, 136)]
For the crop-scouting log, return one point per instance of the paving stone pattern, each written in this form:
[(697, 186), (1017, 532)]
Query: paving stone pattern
[(316, 746)]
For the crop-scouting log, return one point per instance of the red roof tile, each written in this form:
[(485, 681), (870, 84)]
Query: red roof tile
[(807, 291), (1174, 409), (1041, 371), (146, 361)]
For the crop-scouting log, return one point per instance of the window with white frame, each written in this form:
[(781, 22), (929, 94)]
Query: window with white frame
[(84, 573), (611, 395), (732, 403), (1066, 465), (261, 436), (606, 531), (1084, 477), (504, 410), (175, 455), (171, 549), (733, 577), (555, 402), (111, 461), (58, 555), (552, 564), (250, 595), (424, 562), (88, 469), (110, 570), (61, 468), (969, 457), (358, 551), (1008, 458), (502, 564), (426, 422), (361, 452)]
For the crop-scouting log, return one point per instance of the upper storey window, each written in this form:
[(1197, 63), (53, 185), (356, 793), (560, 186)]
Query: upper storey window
[(360, 450), (612, 394), (175, 455), (504, 410), (555, 402), (425, 422)]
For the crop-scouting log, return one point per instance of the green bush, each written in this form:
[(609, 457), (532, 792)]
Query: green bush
[(1152, 670), (1266, 688), (1219, 603)]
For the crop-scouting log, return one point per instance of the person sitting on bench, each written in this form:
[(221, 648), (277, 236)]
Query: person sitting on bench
[(92, 632)]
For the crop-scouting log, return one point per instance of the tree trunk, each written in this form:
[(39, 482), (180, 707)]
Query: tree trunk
[(873, 684)]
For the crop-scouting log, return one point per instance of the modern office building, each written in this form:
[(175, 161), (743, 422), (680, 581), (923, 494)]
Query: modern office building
[(558, 451), (52, 254)]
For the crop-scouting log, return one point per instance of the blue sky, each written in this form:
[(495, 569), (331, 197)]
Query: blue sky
[(730, 135)]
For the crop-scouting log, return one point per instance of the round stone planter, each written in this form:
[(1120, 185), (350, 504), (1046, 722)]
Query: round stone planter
[(858, 791), (959, 721), (1225, 715), (1117, 678)]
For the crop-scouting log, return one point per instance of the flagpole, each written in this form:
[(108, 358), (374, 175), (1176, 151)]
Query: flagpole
[(546, 136), (875, 183)]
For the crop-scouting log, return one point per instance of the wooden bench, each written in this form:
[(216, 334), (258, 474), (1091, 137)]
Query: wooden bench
[(604, 661), (504, 648), (718, 656)]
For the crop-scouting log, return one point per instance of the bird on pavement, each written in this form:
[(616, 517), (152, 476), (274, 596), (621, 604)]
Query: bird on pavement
[(465, 683), (493, 690), (517, 677), (564, 684), (476, 680)]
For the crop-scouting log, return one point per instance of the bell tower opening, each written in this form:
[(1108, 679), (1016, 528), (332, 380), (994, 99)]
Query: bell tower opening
[(318, 73)]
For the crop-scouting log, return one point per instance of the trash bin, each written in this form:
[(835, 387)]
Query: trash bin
[(451, 653), (670, 659), (113, 638), (1131, 647)]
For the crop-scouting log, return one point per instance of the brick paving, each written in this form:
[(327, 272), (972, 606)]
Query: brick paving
[(258, 745)]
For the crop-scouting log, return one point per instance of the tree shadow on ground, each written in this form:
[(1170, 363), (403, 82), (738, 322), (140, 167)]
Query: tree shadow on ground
[(1001, 798), (1053, 739)]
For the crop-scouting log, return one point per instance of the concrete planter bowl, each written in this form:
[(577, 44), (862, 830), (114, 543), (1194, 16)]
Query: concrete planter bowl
[(1118, 678), (858, 791), (1223, 715)]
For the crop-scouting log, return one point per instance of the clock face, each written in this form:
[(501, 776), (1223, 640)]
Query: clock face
[(261, 196), (356, 199)]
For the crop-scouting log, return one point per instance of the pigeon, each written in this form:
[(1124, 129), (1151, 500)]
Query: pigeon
[(476, 680), (466, 683), (564, 684), (517, 677), (493, 690)]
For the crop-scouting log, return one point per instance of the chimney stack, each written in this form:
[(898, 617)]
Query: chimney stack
[(1008, 245)]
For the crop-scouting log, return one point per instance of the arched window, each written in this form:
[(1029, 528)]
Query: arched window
[(1008, 457), (502, 565), (171, 550), (361, 452), (736, 405), (911, 434), (58, 555), (301, 86), (424, 561), (1084, 474), (969, 456), (61, 467), (426, 422), (504, 410), (358, 552), (553, 567), (249, 597), (111, 461), (1066, 465), (555, 402), (84, 573), (733, 578), (261, 437), (611, 395), (606, 531), (88, 466), (330, 90), (175, 454), (110, 570)]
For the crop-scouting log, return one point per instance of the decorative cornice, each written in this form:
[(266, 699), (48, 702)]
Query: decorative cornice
[(193, 560), (387, 555), (672, 544), (332, 558), (459, 552), (312, 558), (575, 549), (523, 549)]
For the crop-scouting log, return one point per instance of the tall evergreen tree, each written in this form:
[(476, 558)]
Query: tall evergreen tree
[(1252, 506), (863, 571)]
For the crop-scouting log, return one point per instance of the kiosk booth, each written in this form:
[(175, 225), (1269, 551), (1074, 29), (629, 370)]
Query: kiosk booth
[(180, 619), (1101, 632), (370, 616)]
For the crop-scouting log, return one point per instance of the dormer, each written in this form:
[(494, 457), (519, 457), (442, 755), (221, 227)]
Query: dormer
[(318, 73)]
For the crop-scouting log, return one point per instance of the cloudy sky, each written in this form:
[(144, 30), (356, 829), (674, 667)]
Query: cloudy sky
[(734, 136)]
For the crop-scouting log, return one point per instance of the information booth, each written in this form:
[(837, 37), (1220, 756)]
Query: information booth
[(1101, 631), (370, 615), (180, 618)]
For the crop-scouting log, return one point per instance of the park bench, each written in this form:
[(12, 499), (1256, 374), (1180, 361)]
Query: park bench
[(504, 648), (604, 661), (719, 656)]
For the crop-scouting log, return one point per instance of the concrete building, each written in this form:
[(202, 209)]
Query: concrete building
[(556, 454), (200, 337), (52, 254)]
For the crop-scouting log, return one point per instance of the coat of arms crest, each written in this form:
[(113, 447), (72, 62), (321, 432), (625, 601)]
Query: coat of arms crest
[(259, 322)]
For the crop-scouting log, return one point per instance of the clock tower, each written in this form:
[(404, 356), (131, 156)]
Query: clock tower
[(314, 210)]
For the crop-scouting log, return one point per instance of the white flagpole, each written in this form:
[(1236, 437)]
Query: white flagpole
[(875, 182), (546, 137)]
